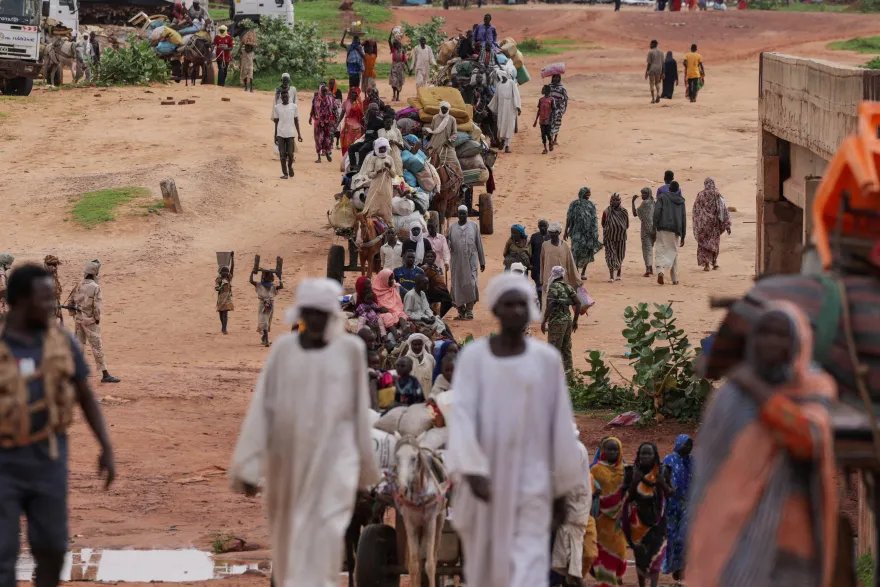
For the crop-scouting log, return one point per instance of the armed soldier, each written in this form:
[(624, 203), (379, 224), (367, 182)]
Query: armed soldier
[(87, 298), (6, 260), (51, 262), (43, 375)]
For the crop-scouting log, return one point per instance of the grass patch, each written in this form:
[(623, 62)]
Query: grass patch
[(801, 7), (219, 540), (219, 14), (153, 207), (267, 81), (865, 570), (11, 99), (4, 115), (858, 44), (331, 21), (95, 208), (873, 64), (532, 47)]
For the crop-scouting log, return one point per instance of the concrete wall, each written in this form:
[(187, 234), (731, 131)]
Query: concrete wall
[(806, 108)]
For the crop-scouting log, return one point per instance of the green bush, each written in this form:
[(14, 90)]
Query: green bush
[(300, 52), (665, 381), (873, 64), (430, 30), (135, 65), (865, 570)]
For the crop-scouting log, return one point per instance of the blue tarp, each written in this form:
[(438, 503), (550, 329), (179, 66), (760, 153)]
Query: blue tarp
[(414, 163)]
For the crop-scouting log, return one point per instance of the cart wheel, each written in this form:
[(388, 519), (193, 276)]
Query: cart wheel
[(435, 216), (336, 263), (376, 551), (487, 213)]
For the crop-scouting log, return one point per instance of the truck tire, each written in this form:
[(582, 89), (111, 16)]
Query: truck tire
[(487, 214), (20, 86), (376, 551), (336, 263)]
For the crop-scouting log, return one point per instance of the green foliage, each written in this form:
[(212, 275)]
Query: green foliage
[(665, 383), (219, 14), (134, 65), (431, 30), (331, 22), (97, 207), (873, 64), (531, 46), (858, 44), (300, 52), (865, 570)]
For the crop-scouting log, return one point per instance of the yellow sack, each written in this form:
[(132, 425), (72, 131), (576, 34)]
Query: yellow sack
[(508, 47), (342, 215), (425, 117), (386, 397), (414, 103), (434, 95)]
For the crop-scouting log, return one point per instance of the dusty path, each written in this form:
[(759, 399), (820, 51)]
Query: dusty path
[(185, 387)]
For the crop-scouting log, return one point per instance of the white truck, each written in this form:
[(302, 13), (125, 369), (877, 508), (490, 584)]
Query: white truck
[(240, 10), (22, 39)]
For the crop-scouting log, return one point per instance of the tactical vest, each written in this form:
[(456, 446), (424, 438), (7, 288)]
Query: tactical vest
[(56, 370)]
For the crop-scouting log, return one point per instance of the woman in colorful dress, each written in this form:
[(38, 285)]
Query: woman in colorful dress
[(371, 53), (711, 218), (681, 464), (397, 76), (560, 97), (223, 287), (643, 521), (334, 90), (615, 222), (323, 115), (608, 473), (352, 126)]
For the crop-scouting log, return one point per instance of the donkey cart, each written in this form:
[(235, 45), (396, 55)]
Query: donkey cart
[(382, 553)]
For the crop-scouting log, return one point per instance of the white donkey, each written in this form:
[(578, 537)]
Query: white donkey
[(420, 492)]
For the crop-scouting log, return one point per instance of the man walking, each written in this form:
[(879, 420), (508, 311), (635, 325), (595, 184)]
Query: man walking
[(86, 296), (560, 296), (506, 106), (485, 33), (51, 264), (44, 376), (6, 260), (286, 122), (670, 225), (645, 214), (223, 43), (693, 66), (511, 447), (422, 61), (536, 243), (313, 461), (466, 250), (654, 71)]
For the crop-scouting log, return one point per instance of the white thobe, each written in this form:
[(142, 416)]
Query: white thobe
[(423, 369), (423, 59), (511, 422), (568, 548), (504, 105), (308, 432)]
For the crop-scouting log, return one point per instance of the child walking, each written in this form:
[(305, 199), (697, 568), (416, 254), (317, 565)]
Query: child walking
[(546, 109), (223, 286), (247, 67), (266, 292)]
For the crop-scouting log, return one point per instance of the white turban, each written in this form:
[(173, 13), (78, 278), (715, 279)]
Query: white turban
[(518, 268), (285, 76), (555, 227), (382, 142), (319, 294), (446, 105), (423, 338), (513, 282), (462, 207)]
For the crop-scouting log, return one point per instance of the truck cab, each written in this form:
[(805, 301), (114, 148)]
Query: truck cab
[(67, 13), (240, 10), (21, 35)]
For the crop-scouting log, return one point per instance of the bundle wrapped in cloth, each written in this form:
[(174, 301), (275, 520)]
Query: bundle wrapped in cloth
[(553, 69)]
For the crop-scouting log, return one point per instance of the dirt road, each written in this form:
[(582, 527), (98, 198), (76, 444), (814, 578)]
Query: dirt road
[(184, 389)]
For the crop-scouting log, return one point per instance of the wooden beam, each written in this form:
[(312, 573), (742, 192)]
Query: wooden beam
[(169, 195)]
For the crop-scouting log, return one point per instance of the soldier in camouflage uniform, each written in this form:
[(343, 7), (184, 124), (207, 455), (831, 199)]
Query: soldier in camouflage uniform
[(6, 260), (87, 296), (51, 262), (557, 315)]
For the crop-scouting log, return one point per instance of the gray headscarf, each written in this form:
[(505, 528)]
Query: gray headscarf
[(6, 260)]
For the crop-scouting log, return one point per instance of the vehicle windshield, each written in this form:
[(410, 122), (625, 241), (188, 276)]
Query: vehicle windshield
[(26, 8)]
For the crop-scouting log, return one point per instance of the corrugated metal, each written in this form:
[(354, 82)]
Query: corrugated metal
[(810, 102), (872, 85)]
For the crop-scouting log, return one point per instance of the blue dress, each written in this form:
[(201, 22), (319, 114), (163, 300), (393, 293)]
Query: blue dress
[(676, 506)]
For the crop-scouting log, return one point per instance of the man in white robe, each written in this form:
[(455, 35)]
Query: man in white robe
[(510, 444), (307, 433), (466, 254), (568, 545), (422, 61), (506, 106)]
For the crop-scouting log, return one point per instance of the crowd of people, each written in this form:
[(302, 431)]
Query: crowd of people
[(662, 73)]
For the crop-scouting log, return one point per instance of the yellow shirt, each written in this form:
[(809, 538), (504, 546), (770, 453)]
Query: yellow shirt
[(693, 65)]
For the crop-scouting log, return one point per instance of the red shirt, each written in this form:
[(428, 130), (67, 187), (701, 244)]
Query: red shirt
[(223, 47), (545, 109)]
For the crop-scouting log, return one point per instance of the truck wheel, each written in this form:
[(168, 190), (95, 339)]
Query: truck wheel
[(336, 263), (20, 86), (487, 214), (376, 551)]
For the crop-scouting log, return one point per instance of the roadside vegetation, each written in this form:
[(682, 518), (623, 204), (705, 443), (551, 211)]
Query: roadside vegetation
[(94, 208), (865, 45)]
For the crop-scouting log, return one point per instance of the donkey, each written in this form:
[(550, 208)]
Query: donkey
[(61, 54), (371, 242), (420, 491)]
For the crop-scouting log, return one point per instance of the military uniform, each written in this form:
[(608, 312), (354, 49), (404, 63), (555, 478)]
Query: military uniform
[(559, 319), (37, 399), (6, 260), (87, 297)]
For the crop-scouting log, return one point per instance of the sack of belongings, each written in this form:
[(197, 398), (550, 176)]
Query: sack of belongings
[(342, 215), (384, 447)]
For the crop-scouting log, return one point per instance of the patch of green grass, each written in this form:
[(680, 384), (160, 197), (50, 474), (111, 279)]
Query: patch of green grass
[(11, 99), (219, 14), (801, 7), (531, 46), (218, 540), (4, 115), (155, 207), (865, 570), (94, 208), (331, 21), (858, 44), (267, 81), (873, 64)]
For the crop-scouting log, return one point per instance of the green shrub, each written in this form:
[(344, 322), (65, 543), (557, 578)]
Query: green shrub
[(95, 208), (300, 52), (865, 570), (873, 64), (135, 65), (430, 30), (859, 44)]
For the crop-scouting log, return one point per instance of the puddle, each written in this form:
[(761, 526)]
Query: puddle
[(144, 566)]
